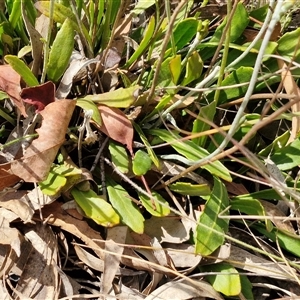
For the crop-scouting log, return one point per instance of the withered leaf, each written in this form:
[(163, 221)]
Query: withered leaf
[(34, 166), (40, 279), (10, 84), (39, 96), (116, 125), (6, 178)]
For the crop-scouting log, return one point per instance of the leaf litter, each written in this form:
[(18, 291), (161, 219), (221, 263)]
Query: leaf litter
[(50, 249)]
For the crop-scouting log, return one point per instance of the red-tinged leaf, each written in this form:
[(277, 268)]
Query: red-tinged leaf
[(10, 84), (39, 96), (35, 165), (116, 125), (6, 178)]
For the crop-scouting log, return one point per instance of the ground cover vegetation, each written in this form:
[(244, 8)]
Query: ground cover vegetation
[(149, 149)]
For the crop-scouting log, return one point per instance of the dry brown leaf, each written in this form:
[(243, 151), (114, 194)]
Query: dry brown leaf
[(171, 169), (56, 216), (259, 266), (145, 240), (184, 290), (170, 229), (291, 88), (4, 295), (40, 279), (13, 202), (36, 199), (34, 166), (6, 178), (10, 244), (182, 255), (75, 71), (116, 125), (10, 84), (36, 43), (39, 96), (98, 264), (9, 236), (236, 188), (272, 210), (115, 236), (88, 259)]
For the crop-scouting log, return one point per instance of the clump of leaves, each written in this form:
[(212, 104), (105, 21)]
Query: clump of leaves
[(148, 141)]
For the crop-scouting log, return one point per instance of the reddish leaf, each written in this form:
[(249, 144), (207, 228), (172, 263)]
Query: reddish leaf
[(6, 178), (34, 166), (10, 84), (116, 125), (39, 96)]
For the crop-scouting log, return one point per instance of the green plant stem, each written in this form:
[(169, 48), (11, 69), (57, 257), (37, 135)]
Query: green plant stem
[(7, 117), (164, 48), (225, 55), (28, 136), (47, 44), (79, 23), (168, 12)]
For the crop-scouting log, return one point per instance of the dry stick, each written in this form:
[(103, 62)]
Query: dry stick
[(223, 154), (164, 47)]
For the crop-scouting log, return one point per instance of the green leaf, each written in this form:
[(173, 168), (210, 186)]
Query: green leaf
[(250, 207), (228, 282), (269, 194), (20, 67), (288, 45), (61, 51), (170, 71), (186, 188), (211, 229), (250, 59), (288, 157), (184, 32), (192, 152), (238, 24), (122, 97), (207, 113), (276, 145), (150, 151), (60, 14), (194, 68), (90, 105), (142, 5), (156, 206), (119, 156), (53, 184), (144, 43), (128, 211), (241, 75), (246, 287), (96, 208), (286, 240), (141, 163), (15, 14), (175, 68)]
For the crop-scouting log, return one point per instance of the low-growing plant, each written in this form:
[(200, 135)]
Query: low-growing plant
[(160, 128)]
